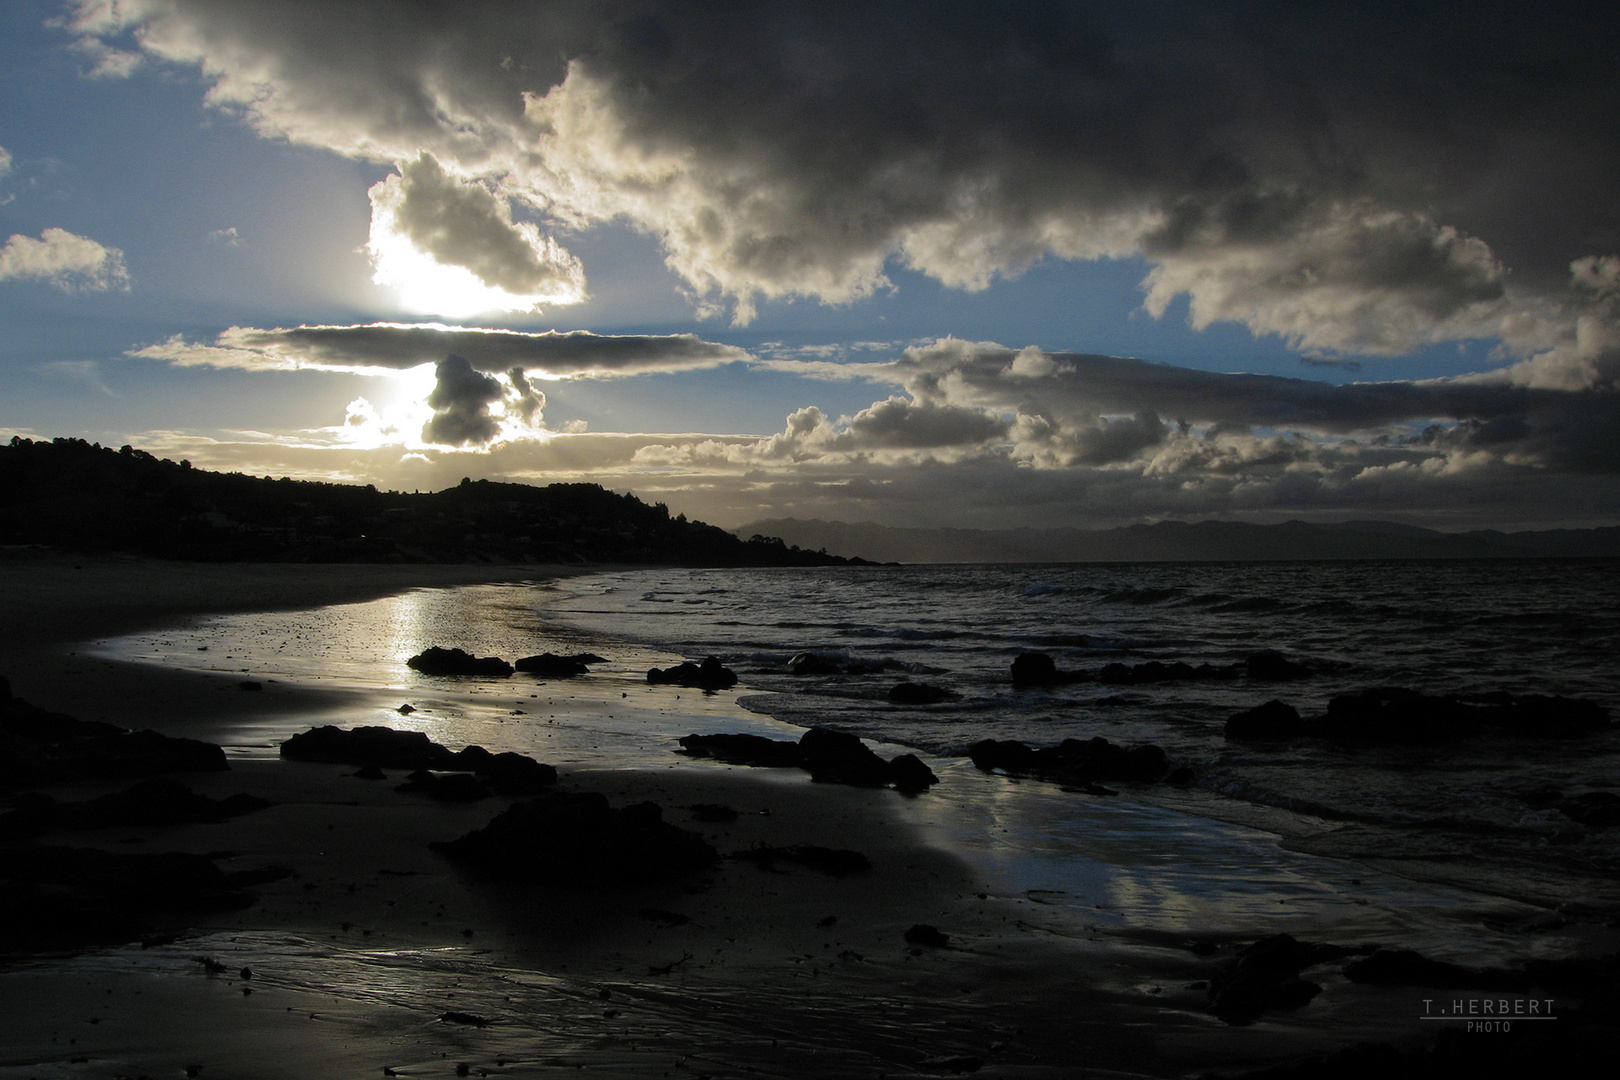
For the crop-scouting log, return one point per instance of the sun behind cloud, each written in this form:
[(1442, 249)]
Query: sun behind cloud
[(450, 247)]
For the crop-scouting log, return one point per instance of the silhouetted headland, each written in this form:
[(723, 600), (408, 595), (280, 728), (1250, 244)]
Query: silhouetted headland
[(81, 496)]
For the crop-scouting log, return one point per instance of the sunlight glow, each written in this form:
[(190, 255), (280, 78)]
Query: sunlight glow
[(428, 287)]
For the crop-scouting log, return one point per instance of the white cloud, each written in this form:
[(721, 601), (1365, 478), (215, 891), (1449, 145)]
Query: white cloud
[(65, 260)]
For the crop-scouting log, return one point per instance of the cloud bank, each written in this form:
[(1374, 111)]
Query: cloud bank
[(1251, 152), (382, 347)]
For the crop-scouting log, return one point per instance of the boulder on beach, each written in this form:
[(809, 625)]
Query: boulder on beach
[(157, 802), (745, 749), (552, 665), (1265, 977), (505, 773), (841, 758), (829, 756), (709, 675), (440, 661), (578, 839), (1273, 720), (65, 897), (42, 747), (371, 745)]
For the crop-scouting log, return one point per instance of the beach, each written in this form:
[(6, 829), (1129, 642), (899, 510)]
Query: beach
[(366, 952)]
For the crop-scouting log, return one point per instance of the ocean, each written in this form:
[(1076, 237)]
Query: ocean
[(1452, 846)]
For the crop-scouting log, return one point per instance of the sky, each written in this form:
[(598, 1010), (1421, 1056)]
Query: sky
[(924, 264)]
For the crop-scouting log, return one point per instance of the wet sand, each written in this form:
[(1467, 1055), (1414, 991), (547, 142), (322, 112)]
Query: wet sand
[(372, 955)]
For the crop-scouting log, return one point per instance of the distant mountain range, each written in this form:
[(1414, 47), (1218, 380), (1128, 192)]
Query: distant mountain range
[(1179, 541)]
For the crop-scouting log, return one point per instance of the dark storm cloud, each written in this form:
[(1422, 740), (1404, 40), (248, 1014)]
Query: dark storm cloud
[(398, 347), (461, 399), (1356, 177), (1560, 428)]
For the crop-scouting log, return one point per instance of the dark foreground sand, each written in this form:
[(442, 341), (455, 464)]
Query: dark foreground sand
[(372, 955)]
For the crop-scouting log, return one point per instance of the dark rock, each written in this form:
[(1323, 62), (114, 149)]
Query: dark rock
[(439, 661), (813, 664), (551, 665), (910, 693), (1385, 715), (382, 747), (742, 749), (1038, 669), (1072, 761), (511, 773), (579, 840), (59, 897), (1269, 665), (250, 684), (372, 745), (158, 802), (841, 758), (468, 1019), (924, 934), (40, 747), (1008, 755), (709, 675), (1265, 977), (829, 756), (1273, 720), (834, 862), (370, 772), (1182, 776), (910, 775)]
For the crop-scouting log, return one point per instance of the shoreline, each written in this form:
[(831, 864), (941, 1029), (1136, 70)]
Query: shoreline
[(366, 934)]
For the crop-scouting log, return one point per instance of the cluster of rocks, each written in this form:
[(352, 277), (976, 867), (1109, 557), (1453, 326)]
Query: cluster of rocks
[(441, 661), (1078, 764), (1386, 715), (1268, 665), (578, 839), (710, 675), (452, 775), (40, 747), (1265, 977), (66, 897), (55, 897), (829, 756), (161, 801)]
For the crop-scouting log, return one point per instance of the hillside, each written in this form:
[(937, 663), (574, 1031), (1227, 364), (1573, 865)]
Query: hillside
[(1170, 541), (78, 496)]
